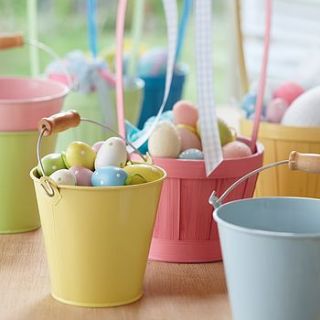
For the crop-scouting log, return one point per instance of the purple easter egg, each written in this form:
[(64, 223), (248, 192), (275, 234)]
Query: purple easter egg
[(276, 109), (83, 175), (96, 147)]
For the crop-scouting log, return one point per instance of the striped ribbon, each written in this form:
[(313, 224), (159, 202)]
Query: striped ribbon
[(208, 119)]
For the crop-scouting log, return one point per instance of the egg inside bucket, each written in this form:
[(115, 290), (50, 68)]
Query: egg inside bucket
[(305, 110)]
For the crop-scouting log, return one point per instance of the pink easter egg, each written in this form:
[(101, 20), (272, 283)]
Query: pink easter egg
[(184, 112), (83, 175), (275, 110), (288, 91), (96, 147), (235, 149), (189, 140)]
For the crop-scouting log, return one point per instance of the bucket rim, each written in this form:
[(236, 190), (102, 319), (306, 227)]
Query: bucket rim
[(281, 132), (92, 188), (259, 232), (31, 132), (64, 91)]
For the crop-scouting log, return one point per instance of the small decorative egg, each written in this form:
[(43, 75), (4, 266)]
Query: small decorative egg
[(288, 91), (165, 141), (225, 133), (305, 110), (80, 154), (108, 176), (51, 163), (96, 147), (235, 149), (113, 152), (189, 139), (248, 103), (275, 110), (83, 175), (64, 177), (192, 154), (184, 112), (142, 173)]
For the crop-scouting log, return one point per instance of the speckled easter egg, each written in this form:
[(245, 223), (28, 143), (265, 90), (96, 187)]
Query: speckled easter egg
[(51, 163), (96, 147), (108, 176), (64, 177), (189, 139), (80, 154), (288, 91), (305, 110), (191, 154), (83, 175), (113, 152), (235, 149), (142, 173), (276, 109), (185, 112), (165, 141)]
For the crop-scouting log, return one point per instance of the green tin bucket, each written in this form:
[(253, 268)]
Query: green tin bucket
[(88, 105), (18, 206)]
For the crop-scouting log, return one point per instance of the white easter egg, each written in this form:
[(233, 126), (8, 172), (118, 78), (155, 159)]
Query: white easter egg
[(304, 111), (113, 152), (165, 141), (64, 177)]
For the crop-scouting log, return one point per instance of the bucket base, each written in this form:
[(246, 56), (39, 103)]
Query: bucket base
[(19, 230), (98, 305), (187, 251)]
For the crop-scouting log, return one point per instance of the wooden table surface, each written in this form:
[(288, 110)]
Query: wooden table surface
[(171, 291)]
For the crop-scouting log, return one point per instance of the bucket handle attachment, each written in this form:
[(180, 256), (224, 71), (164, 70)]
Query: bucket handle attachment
[(60, 122), (307, 162)]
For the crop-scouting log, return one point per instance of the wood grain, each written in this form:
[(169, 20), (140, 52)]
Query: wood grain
[(172, 291)]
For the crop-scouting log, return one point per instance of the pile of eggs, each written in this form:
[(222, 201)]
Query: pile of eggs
[(181, 138), (103, 164), (290, 105)]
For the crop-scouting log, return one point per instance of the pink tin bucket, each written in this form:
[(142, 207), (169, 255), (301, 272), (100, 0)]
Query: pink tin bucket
[(24, 101), (185, 231)]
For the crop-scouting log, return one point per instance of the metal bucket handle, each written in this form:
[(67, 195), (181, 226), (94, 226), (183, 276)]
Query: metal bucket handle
[(15, 40), (307, 162), (61, 122)]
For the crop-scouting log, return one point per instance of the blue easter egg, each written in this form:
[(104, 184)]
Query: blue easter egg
[(108, 176), (248, 103), (191, 154)]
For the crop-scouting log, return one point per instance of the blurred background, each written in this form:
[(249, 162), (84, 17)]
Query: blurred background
[(294, 52)]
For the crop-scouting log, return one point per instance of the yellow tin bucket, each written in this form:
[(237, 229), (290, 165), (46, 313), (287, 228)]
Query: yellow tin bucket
[(97, 239), (278, 141)]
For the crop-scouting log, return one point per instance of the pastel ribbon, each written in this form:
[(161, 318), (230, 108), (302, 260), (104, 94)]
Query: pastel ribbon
[(187, 6), (122, 5), (207, 113), (33, 36), (171, 14), (92, 27), (137, 22), (263, 75)]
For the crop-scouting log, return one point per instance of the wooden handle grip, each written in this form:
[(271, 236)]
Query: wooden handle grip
[(59, 122), (308, 162), (8, 41)]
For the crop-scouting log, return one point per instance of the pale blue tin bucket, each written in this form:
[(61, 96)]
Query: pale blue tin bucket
[(271, 254)]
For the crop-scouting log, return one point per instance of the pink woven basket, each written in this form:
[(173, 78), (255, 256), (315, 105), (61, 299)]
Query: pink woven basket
[(185, 231)]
